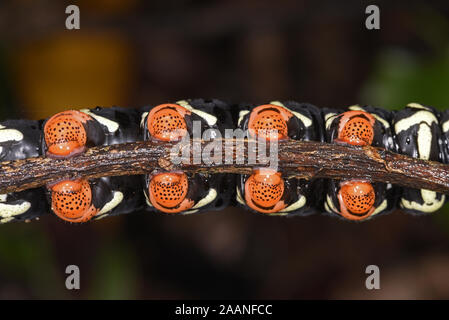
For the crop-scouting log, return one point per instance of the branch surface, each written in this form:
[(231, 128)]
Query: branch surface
[(301, 159)]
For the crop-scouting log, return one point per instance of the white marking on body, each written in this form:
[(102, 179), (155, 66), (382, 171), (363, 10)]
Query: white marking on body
[(445, 126), (114, 202), (189, 212), (5, 220), (428, 196), (424, 141), (242, 114), (380, 208), (279, 213), (296, 205), (116, 199), (306, 121), (326, 207), (3, 197), (142, 120), (211, 195), (98, 217), (331, 204), (147, 200), (112, 126), (418, 106), (431, 203), (210, 119), (329, 118), (377, 117), (11, 210), (10, 135), (416, 118), (239, 197)]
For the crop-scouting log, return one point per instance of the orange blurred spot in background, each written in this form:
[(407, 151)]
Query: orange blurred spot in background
[(73, 69)]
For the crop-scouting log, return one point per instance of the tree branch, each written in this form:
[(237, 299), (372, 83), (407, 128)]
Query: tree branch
[(301, 159)]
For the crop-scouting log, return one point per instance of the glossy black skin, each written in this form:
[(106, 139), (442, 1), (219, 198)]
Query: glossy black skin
[(406, 142), (128, 119), (296, 129), (225, 185), (444, 117), (26, 148), (29, 147), (133, 197), (217, 108), (130, 186), (383, 136), (36, 197)]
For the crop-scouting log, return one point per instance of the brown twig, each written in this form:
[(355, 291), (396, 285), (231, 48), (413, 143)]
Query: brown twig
[(296, 158)]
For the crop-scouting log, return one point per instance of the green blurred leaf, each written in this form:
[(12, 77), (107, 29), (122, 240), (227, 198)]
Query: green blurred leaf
[(115, 273), (25, 255), (401, 78)]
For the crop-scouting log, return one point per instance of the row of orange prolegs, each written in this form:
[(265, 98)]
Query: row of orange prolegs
[(264, 188), (66, 136), (356, 197)]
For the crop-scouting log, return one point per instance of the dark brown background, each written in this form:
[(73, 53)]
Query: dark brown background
[(133, 53)]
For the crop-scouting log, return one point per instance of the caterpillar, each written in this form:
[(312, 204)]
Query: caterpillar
[(418, 131)]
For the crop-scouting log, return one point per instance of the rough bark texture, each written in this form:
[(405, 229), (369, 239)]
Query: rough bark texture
[(296, 158)]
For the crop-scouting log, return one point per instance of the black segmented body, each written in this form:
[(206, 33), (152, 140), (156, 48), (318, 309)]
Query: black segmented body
[(417, 131)]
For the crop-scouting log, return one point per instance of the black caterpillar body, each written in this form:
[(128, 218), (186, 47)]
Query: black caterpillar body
[(418, 131)]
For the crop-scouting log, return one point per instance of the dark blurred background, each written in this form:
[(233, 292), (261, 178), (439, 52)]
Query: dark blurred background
[(132, 53)]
